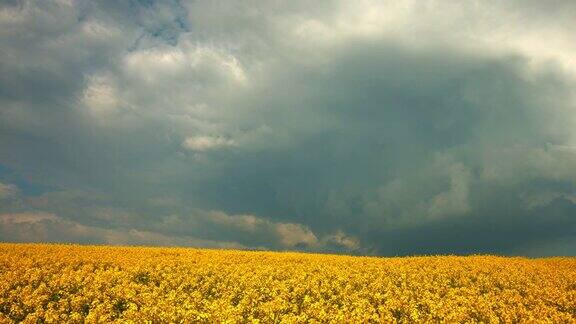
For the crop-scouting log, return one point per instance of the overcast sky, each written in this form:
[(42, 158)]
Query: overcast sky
[(361, 127)]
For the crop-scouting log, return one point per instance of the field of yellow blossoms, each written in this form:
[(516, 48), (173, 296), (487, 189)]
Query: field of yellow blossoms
[(71, 283)]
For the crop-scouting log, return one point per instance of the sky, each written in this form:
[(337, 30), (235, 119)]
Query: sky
[(359, 127)]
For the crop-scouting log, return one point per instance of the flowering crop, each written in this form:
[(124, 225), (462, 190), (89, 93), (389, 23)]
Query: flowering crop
[(70, 283)]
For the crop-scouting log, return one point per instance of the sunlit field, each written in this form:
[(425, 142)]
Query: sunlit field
[(70, 283)]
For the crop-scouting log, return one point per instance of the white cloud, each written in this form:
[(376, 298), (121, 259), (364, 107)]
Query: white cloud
[(341, 240), (254, 231), (248, 223), (188, 62), (26, 218), (206, 143), (100, 96), (488, 27), (285, 235), (293, 235)]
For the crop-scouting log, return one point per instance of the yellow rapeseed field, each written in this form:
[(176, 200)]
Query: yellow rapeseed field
[(71, 283)]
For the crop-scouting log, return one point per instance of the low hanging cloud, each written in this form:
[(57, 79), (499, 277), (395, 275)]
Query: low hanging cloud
[(42, 227), (368, 127), (204, 229)]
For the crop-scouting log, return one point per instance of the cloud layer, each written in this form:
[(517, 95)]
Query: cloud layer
[(369, 127)]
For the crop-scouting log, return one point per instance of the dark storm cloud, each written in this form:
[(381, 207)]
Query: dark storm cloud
[(384, 128)]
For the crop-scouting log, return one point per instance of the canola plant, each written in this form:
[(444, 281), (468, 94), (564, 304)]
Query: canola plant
[(71, 283)]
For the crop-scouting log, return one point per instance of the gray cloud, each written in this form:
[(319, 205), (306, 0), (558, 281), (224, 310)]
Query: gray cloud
[(43, 227), (7, 191), (367, 127)]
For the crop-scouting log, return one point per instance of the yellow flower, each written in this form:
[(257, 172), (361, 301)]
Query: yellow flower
[(71, 283)]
